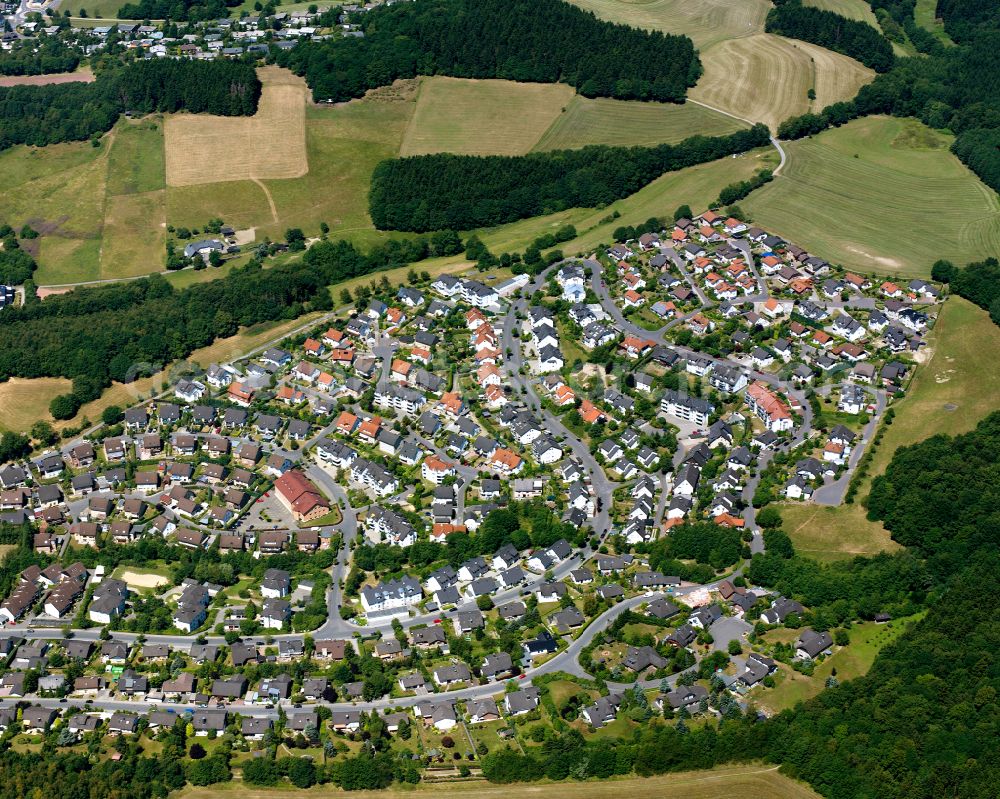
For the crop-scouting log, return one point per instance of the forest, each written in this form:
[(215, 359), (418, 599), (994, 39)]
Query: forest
[(429, 192), (546, 41), (42, 56), (977, 282), (859, 40), (177, 10), (40, 115), (954, 88)]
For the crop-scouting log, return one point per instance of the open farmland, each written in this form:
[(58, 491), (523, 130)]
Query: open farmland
[(23, 401), (717, 783), (482, 117), (767, 78), (706, 22), (343, 143), (880, 194), (100, 210), (620, 123), (270, 144)]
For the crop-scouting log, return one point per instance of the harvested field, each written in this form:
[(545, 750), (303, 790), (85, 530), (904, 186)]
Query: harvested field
[(23, 402), (80, 76), (706, 22), (269, 145), (718, 783), (766, 78), (482, 117)]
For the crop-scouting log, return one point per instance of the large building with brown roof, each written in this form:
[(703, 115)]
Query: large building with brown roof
[(300, 496)]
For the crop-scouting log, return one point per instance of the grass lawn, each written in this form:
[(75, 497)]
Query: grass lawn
[(854, 660), (482, 117), (333, 517), (562, 690), (749, 780), (100, 9), (487, 733), (825, 533), (621, 123), (929, 205), (766, 78)]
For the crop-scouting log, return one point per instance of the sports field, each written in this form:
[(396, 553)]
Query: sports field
[(718, 783), (880, 194), (617, 122), (482, 117), (705, 22), (270, 144), (767, 78)]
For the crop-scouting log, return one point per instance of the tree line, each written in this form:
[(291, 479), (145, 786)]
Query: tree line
[(41, 115), (853, 38), (180, 10), (429, 192), (954, 88), (977, 282), (546, 41)]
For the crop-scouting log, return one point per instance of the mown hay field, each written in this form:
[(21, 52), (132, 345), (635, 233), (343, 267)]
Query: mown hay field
[(270, 144), (482, 117), (620, 123), (880, 194), (706, 22), (718, 783), (767, 78)]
